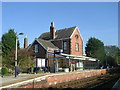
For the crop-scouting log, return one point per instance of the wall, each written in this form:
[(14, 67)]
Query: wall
[(59, 78), (73, 43), (40, 54), (59, 44)]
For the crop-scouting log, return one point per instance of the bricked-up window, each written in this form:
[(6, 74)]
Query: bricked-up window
[(36, 48), (77, 47), (65, 45)]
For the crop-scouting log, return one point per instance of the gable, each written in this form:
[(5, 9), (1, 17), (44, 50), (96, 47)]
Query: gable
[(45, 44), (76, 32)]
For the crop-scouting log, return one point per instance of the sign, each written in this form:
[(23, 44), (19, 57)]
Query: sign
[(40, 62)]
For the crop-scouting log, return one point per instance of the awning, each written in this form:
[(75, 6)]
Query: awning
[(82, 58)]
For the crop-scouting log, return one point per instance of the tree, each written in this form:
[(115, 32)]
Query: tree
[(0, 54), (8, 43), (95, 48), (8, 48), (112, 54), (24, 59), (111, 51), (118, 58), (0, 46)]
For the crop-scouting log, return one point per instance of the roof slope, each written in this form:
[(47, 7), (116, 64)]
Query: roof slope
[(47, 44), (60, 34)]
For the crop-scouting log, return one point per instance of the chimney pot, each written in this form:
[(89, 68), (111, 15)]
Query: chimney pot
[(52, 31), (25, 42)]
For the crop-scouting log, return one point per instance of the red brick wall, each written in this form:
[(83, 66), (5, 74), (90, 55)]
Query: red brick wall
[(73, 43), (54, 79), (59, 44)]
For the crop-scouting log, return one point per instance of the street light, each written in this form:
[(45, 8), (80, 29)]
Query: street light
[(16, 55)]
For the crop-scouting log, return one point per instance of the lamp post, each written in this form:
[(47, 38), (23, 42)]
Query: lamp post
[(16, 55)]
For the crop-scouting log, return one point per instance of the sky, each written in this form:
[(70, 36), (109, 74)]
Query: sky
[(94, 19)]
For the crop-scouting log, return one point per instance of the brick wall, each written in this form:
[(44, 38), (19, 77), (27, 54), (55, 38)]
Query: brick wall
[(75, 40), (41, 53), (59, 78), (59, 44)]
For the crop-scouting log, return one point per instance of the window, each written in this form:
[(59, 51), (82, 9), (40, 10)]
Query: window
[(36, 48), (77, 46), (76, 36), (65, 45)]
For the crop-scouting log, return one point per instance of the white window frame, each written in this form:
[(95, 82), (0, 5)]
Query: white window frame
[(64, 45), (40, 62), (36, 49), (77, 46)]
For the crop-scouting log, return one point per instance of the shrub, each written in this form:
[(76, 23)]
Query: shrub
[(65, 66), (4, 71)]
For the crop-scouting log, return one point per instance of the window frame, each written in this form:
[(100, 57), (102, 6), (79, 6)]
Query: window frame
[(64, 45), (77, 47), (36, 48), (76, 36)]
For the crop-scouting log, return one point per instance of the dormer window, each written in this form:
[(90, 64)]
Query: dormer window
[(36, 48)]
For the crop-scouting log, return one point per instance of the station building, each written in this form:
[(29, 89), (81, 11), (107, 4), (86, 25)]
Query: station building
[(58, 49)]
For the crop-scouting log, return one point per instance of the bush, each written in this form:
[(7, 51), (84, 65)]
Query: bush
[(65, 66), (4, 71)]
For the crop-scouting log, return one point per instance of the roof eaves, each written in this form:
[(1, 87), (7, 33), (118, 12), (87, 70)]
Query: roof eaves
[(41, 44), (73, 32), (79, 33)]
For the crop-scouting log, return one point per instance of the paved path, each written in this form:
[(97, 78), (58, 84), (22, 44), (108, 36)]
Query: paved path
[(6, 80)]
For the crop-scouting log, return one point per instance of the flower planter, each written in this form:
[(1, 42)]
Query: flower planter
[(66, 69)]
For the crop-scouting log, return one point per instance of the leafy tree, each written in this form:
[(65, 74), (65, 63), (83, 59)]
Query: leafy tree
[(8, 48), (0, 46), (112, 52), (95, 48), (8, 43), (24, 59), (0, 54), (118, 58)]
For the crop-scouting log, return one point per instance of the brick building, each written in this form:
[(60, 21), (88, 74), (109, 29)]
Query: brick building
[(46, 48)]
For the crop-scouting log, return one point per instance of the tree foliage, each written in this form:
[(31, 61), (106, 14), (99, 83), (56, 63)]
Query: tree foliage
[(95, 48), (112, 52), (118, 58), (8, 48), (0, 54), (8, 43), (24, 59), (0, 46)]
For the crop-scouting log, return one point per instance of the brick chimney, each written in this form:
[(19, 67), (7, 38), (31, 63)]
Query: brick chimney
[(52, 31), (25, 42)]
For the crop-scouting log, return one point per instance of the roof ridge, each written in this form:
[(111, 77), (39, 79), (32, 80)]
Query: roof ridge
[(61, 29), (61, 33), (43, 40), (67, 28)]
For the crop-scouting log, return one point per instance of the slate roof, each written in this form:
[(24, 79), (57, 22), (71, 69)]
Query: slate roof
[(60, 34), (47, 44)]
